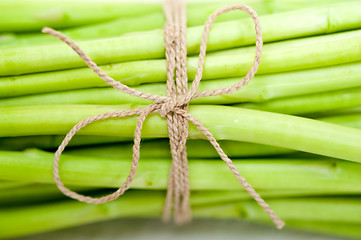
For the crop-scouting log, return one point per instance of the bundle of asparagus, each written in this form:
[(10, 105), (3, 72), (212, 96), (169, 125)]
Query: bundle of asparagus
[(293, 131)]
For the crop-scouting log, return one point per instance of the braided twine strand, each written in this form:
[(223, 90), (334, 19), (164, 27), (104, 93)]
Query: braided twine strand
[(173, 107)]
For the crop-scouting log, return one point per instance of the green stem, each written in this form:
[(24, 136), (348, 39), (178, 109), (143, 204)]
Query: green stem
[(113, 28), (349, 230), (42, 193), (195, 149), (53, 141), (5, 185), (325, 175), (315, 103), (350, 120), (150, 148), (345, 111), (314, 209), (261, 88), (226, 123), (150, 45), (319, 222), (197, 14), (53, 216), (31, 15), (20, 15), (277, 57), (35, 194)]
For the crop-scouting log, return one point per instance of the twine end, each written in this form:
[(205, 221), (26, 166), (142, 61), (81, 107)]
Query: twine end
[(46, 30), (280, 225)]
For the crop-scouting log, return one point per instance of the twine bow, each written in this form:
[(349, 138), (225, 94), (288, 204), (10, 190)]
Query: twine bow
[(173, 107)]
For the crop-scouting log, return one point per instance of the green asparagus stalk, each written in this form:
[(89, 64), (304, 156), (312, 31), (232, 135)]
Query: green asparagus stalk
[(349, 230), (329, 227), (195, 149), (325, 175), (26, 196), (345, 111), (313, 209), (261, 88), (20, 15), (351, 120), (307, 104), (277, 57), (153, 148), (42, 193), (5, 185), (160, 149), (150, 45), (53, 216), (150, 148), (113, 28), (197, 14), (53, 141), (226, 123), (35, 194), (23, 15), (301, 209)]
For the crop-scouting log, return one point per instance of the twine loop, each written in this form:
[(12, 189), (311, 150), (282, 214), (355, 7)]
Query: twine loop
[(173, 107)]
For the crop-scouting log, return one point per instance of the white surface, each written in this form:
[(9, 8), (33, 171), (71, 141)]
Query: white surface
[(136, 229)]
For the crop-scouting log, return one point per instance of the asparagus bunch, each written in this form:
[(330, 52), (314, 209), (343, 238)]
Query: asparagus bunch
[(294, 132)]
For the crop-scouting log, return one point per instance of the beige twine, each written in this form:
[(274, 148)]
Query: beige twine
[(173, 107)]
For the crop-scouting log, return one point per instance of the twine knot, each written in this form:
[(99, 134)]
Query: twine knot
[(173, 104), (176, 102)]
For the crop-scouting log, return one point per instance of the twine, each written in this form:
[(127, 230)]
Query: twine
[(173, 107)]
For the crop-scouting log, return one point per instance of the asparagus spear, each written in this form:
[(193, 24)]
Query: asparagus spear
[(156, 148), (150, 45), (261, 88), (349, 230), (325, 175), (5, 185), (35, 193), (345, 111), (314, 103), (53, 141), (28, 15), (113, 28), (21, 15), (329, 226), (197, 14), (277, 57), (53, 216), (301, 209), (43, 193), (226, 123), (195, 149), (351, 120), (150, 148)]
